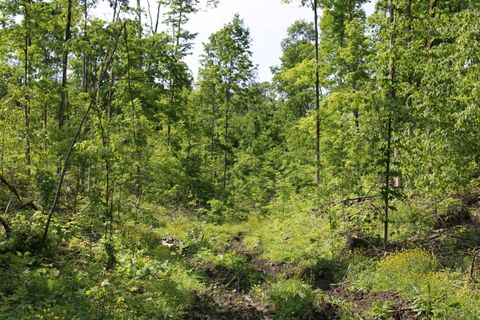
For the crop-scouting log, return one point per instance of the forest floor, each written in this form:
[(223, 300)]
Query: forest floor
[(281, 266)]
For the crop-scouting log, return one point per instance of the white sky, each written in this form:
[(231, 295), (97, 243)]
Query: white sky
[(267, 20)]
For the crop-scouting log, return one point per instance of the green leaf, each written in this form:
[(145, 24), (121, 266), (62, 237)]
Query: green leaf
[(50, 284)]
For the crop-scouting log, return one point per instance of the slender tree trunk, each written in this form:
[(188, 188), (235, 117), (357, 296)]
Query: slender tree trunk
[(26, 83), (429, 144), (391, 101), (139, 9), (154, 31), (2, 158), (408, 12), (171, 106), (176, 30), (225, 152), (108, 215), (158, 17), (317, 95), (64, 94), (212, 136), (387, 181), (138, 182), (85, 62), (399, 182), (115, 6), (85, 87), (431, 7)]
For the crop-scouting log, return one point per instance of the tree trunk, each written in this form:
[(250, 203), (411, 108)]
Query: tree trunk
[(26, 76), (431, 7), (317, 95), (85, 62), (139, 9), (225, 152), (391, 100), (64, 95)]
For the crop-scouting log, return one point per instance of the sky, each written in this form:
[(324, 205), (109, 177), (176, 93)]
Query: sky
[(267, 20)]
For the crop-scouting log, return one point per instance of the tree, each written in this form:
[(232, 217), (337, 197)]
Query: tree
[(226, 63), (64, 95), (314, 4)]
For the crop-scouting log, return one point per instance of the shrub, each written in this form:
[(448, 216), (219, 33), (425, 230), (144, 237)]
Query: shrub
[(451, 212), (404, 270), (293, 299)]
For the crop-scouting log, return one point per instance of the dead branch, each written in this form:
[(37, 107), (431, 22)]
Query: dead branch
[(16, 194), (353, 200), (12, 189)]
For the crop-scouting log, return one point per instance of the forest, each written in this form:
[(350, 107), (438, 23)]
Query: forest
[(347, 187)]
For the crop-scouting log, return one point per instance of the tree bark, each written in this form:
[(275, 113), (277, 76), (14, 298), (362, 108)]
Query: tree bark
[(317, 95), (26, 76), (391, 100), (225, 152), (64, 95), (85, 62)]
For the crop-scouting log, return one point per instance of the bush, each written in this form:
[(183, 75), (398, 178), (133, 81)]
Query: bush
[(451, 212), (229, 269), (415, 275), (28, 230), (293, 299), (403, 271)]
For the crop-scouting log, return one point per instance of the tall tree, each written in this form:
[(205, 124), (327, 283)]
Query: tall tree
[(227, 62), (64, 94), (180, 43), (314, 4)]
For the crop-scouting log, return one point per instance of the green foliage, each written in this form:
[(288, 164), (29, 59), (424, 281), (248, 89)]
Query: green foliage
[(27, 231), (415, 274), (45, 183), (232, 269), (225, 168), (293, 299)]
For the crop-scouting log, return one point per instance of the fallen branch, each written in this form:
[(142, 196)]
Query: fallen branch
[(12, 189), (353, 200), (230, 282), (16, 194)]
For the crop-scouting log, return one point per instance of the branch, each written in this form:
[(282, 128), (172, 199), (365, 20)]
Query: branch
[(357, 199), (12, 189)]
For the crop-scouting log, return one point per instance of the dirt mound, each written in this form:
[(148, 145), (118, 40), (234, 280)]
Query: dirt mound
[(228, 305), (274, 269), (362, 301), (236, 244)]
